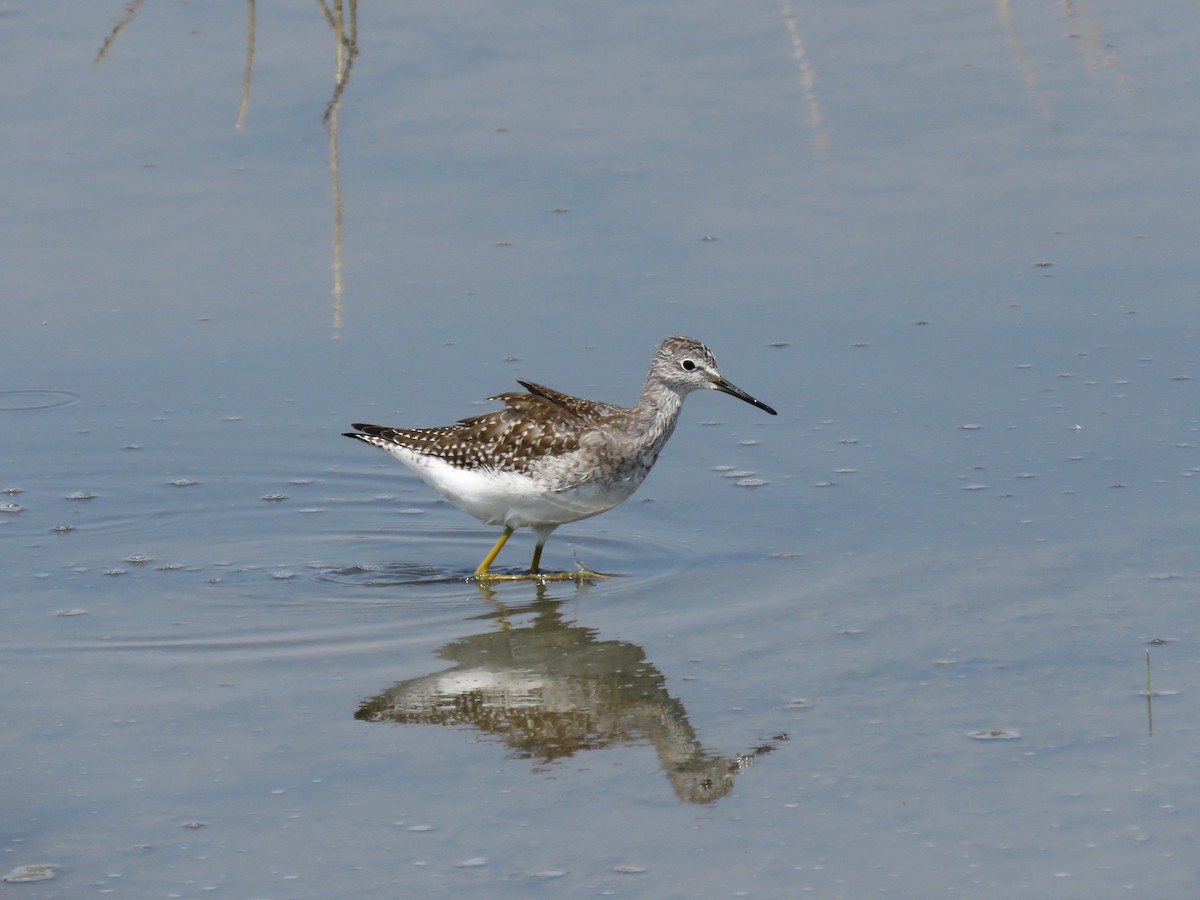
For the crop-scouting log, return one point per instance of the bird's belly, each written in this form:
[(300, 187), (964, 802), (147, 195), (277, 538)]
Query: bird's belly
[(514, 499)]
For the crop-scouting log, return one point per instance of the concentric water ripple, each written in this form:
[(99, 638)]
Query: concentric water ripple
[(262, 566), (18, 401), (401, 556)]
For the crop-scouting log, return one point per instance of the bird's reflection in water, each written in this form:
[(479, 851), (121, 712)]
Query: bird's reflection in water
[(551, 689)]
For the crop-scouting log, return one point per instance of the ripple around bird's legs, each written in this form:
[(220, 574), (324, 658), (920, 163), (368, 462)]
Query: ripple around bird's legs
[(632, 559)]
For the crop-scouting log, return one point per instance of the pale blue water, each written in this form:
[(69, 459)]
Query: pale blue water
[(953, 246)]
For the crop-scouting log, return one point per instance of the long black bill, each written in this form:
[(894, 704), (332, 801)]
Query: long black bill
[(734, 391)]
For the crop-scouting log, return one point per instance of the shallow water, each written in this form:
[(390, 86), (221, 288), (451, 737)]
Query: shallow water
[(952, 247)]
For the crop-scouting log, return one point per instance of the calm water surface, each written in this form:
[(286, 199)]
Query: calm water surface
[(892, 641)]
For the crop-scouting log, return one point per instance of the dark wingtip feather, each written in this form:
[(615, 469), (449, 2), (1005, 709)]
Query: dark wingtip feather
[(365, 432)]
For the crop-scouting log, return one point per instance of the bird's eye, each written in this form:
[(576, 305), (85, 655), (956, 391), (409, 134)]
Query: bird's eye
[(688, 365)]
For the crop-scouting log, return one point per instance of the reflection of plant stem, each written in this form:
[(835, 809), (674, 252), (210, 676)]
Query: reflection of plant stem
[(241, 116), (1092, 46), (807, 79), (131, 9), (1149, 710), (337, 226), (345, 49), (1014, 44)]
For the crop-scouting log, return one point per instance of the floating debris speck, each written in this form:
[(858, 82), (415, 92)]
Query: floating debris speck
[(34, 872), (994, 734)]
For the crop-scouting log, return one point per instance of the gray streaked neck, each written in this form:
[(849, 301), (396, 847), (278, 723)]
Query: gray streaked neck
[(655, 413)]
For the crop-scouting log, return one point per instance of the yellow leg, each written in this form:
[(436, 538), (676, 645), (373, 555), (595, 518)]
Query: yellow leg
[(534, 573), (482, 569)]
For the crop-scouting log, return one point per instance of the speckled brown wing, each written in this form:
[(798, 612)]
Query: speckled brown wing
[(543, 422), (590, 411)]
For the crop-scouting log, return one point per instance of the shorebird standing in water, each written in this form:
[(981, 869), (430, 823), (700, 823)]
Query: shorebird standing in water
[(548, 458)]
